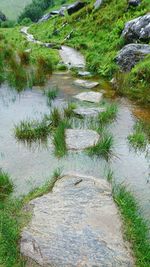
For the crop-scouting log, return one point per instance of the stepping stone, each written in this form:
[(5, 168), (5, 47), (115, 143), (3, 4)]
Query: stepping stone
[(80, 139), (77, 224), (86, 84), (88, 111), (90, 96), (84, 73)]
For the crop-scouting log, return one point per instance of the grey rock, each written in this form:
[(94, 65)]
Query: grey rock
[(98, 3), (77, 224), (134, 3), (131, 54), (137, 29), (77, 139), (86, 84), (84, 73), (75, 7), (89, 112), (2, 16), (45, 17), (94, 97)]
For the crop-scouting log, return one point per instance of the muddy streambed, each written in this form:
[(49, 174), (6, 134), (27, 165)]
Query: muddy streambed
[(31, 166)]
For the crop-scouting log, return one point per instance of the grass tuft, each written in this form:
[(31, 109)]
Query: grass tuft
[(6, 185), (103, 148), (138, 138), (109, 115), (51, 94), (59, 139)]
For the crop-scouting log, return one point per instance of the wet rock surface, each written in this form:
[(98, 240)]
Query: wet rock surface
[(137, 29), (75, 7), (89, 112), (94, 97), (72, 58), (131, 54), (77, 139), (86, 84), (77, 224), (134, 3)]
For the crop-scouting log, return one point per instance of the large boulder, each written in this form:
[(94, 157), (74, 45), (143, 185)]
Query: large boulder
[(2, 17), (130, 54), (76, 225), (98, 3), (137, 29), (75, 7), (133, 3)]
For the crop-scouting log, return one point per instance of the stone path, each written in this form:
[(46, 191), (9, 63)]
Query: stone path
[(71, 57), (88, 112), (77, 139), (77, 225), (86, 84), (94, 97)]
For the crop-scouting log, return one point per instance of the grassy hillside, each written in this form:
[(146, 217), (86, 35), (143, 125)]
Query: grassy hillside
[(12, 8), (98, 35)]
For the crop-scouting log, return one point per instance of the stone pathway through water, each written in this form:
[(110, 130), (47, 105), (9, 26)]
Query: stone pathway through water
[(77, 224)]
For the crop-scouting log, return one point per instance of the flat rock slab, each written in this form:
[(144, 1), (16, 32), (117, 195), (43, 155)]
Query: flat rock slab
[(94, 97), (80, 139), (76, 225), (88, 111), (86, 84), (72, 57)]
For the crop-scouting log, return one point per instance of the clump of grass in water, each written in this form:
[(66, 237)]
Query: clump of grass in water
[(32, 131), (138, 139), (55, 117), (51, 94), (103, 148), (69, 110), (135, 227), (109, 115), (59, 139), (6, 185)]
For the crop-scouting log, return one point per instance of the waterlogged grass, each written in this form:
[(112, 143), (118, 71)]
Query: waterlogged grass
[(51, 94), (6, 185), (69, 110), (55, 117), (13, 219), (103, 148), (109, 115), (136, 230), (32, 131), (59, 139), (138, 138)]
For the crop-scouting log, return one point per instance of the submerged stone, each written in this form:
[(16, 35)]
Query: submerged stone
[(86, 84), (77, 224), (77, 139), (94, 97), (88, 111)]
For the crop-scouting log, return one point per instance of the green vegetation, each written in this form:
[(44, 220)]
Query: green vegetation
[(136, 230), (6, 185), (103, 148), (69, 110), (138, 138), (51, 94), (55, 117), (13, 219), (32, 131), (109, 115), (59, 139)]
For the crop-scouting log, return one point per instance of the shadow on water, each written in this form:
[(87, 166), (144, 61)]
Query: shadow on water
[(31, 165)]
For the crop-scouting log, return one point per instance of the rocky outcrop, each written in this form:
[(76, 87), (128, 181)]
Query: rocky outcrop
[(131, 54), (77, 139), (137, 29), (133, 3), (2, 17), (75, 7), (77, 224), (98, 3)]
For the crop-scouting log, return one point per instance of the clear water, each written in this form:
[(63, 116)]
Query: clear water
[(32, 166)]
